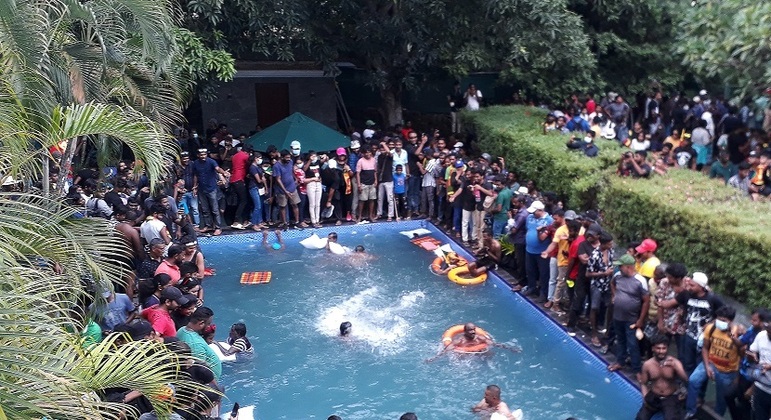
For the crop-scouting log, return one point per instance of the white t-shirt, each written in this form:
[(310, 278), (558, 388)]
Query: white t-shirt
[(762, 346), (151, 229), (472, 102), (639, 146), (400, 159)]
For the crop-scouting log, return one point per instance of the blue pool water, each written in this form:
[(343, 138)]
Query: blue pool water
[(399, 311)]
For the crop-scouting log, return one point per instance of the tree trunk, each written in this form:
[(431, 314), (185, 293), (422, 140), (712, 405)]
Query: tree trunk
[(65, 164), (391, 106)]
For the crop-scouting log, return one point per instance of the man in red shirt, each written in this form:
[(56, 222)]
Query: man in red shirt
[(159, 315), (241, 162), (170, 264)]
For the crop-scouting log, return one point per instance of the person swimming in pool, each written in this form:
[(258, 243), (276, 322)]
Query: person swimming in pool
[(345, 329), (276, 246), (468, 339)]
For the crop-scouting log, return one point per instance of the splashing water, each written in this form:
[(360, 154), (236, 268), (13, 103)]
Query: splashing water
[(378, 320)]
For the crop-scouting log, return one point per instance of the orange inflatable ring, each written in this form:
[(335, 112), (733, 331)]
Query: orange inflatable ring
[(436, 265), (456, 330), (458, 275)]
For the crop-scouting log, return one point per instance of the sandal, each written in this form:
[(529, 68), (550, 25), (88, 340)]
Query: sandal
[(614, 367), (548, 304), (217, 232), (302, 225), (596, 341)]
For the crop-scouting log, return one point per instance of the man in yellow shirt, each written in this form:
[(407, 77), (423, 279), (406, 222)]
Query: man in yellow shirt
[(720, 355), (561, 242), (646, 260)]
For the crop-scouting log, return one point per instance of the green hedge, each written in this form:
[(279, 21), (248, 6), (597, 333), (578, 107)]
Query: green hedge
[(695, 220)]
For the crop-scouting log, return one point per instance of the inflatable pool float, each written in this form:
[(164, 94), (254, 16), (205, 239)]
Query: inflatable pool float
[(457, 330), (459, 275)]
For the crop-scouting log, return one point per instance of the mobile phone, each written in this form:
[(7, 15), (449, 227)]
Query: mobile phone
[(234, 412)]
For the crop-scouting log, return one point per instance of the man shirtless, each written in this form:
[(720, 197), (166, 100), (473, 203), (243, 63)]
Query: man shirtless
[(488, 257), (658, 383), (492, 404), (469, 338)]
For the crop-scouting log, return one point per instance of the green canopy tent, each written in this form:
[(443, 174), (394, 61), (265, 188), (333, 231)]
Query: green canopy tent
[(311, 134)]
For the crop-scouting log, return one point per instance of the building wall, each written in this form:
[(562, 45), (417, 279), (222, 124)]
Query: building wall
[(236, 103)]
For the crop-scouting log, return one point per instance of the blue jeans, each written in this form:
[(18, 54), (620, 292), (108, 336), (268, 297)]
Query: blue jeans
[(537, 270), (191, 202), (688, 353), (413, 192), (457, 217), (699, 378), (499, 228), (626, 342), (256, 217), (210, 209)]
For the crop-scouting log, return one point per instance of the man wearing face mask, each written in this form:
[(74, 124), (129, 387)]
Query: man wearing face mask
[(720, 360)]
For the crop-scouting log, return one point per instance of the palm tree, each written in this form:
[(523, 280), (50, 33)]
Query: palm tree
[(97, 70)]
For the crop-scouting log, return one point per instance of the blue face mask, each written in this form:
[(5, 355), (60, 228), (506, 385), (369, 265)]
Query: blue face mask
[(721, 325)]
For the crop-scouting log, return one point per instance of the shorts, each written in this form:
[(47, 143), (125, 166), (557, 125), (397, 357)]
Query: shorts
[(599, 296), (765, 191), (293, 197), (368, 192)]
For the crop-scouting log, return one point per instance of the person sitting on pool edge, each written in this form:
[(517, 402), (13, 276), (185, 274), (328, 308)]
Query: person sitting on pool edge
[(488, 257), (278, 245), (239, 344), (469, 338)]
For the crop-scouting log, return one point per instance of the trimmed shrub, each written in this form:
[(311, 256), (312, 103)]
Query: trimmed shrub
[(695, 220)]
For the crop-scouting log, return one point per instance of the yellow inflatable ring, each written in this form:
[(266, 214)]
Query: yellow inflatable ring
[(456, 330), (436, 265), (456, 276)]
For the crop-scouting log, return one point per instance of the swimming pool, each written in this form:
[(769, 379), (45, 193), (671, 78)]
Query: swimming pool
[(399, 311)]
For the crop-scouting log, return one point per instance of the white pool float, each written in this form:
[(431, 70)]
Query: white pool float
[(314, 242), (338, 249), (222, 357), (411, 233)]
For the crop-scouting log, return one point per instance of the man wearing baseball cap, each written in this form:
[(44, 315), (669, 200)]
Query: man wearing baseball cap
[(631, 300), (160, 315), (647, 261), (536, 242), (700, 306)]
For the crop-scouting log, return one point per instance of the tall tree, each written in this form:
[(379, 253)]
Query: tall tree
[(634, 42), (728, 39), (401, 42), (76, 70)]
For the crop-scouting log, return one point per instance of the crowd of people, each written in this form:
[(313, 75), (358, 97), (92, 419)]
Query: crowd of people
[(724, 140), (564, 260)]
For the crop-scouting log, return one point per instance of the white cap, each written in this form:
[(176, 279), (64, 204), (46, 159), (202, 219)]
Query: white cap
[(696, 99), (523, 191), (295, 145), (537, 205), (332, 164), (355, 144), (703, 92), (458, 145), (700, 279)]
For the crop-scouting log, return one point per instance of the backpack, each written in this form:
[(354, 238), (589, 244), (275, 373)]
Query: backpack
[(93, 209)]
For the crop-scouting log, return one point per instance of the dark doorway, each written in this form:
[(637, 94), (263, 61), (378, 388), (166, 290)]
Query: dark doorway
[(272, 103)]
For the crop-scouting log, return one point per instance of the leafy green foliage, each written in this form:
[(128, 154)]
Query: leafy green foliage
[(542, 157), (634, 42), (695, 220), (728, 39), (199, 65)]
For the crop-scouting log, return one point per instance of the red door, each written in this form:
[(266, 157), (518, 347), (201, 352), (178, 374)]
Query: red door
[(272, 103)]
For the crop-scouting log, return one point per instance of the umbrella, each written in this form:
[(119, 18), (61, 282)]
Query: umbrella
[(311, 134)]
